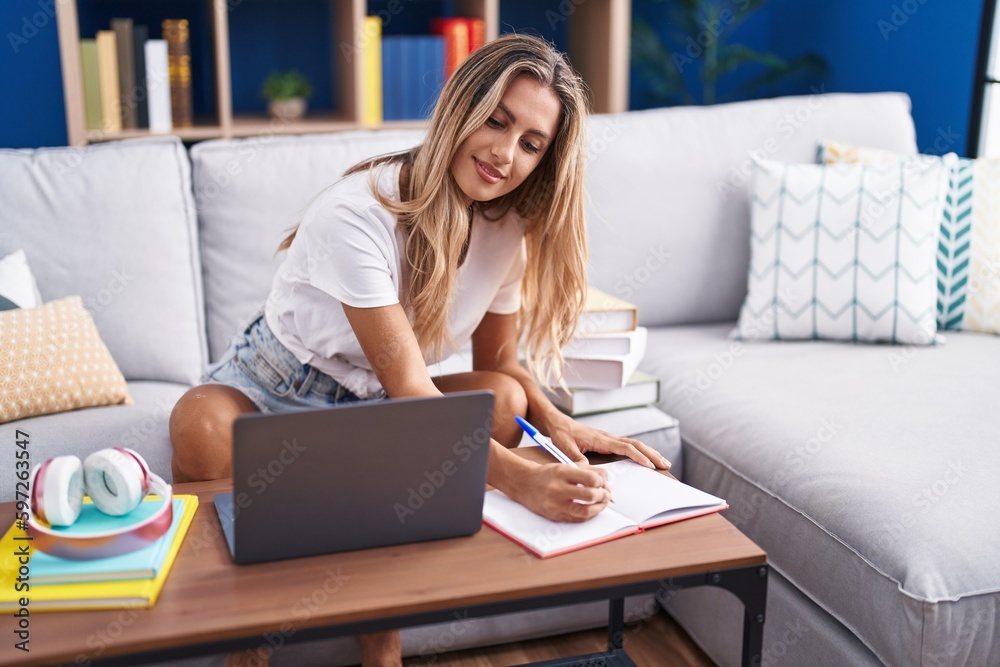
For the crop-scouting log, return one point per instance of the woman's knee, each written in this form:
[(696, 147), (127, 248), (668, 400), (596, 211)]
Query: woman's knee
[(509, 398), (201, 434)]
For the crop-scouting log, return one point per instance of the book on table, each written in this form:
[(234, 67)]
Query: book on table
[(134, 579), (643, 499), (641, 389)]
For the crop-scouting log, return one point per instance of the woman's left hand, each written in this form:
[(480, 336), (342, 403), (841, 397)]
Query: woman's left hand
[(575, 438)]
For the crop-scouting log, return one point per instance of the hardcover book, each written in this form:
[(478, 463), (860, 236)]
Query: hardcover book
[(91, 83), (643, 499), (175, 32), (371, 58), (604, 313), (606, 371), (158, 86), (641, 389), (84, 584), (126, 70), (107, 68)]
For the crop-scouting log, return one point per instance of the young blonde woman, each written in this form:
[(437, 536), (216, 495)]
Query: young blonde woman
[(476, 234)]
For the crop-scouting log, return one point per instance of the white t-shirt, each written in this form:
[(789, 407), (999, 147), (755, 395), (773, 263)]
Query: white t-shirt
[(349, 250)]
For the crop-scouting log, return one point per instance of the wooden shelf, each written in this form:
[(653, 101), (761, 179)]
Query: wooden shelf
[(598, 46)]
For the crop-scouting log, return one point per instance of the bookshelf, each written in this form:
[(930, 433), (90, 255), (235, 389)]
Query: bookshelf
[(597, 42)]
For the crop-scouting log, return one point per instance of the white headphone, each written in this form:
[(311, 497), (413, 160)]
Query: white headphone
[(117, 480)]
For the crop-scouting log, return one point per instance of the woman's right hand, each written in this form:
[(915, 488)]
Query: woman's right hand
[(553, 489)]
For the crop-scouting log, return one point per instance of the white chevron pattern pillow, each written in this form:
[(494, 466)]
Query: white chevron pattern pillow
[(968, 252), (844, 252)]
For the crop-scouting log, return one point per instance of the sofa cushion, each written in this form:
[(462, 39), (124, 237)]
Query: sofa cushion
[(844, 252), (52, 359), (141, 426), (18, 288), (673, 236), (867, 473), (115, 224), (250, 193), (968, 255)]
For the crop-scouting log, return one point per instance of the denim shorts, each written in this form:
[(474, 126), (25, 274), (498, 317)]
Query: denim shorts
[(271, 376)]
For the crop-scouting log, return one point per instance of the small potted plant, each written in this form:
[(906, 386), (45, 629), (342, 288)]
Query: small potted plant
[(286, 94)]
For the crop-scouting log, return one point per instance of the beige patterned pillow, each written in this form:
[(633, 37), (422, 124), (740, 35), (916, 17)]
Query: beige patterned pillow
[(53, 359)]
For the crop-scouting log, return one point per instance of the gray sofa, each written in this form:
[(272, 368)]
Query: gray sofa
[(859, 469)]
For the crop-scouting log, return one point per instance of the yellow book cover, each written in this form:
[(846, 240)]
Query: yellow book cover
[(604, 313), (91, 83), (371, 58), (107, 70), (15, 584)]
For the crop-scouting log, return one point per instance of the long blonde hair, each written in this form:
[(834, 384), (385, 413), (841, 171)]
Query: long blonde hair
[(550, 200)]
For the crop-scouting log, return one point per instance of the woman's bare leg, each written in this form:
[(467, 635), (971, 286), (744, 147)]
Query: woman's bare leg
[(509, 400)]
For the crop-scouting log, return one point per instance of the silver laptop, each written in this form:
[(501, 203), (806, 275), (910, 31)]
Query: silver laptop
[(357, 476)]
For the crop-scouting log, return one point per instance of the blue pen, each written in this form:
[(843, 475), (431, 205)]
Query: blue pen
[(546, 443)]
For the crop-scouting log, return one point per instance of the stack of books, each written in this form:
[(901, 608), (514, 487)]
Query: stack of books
[(404, 74), (132, 82), (602, 360), (130, 580)]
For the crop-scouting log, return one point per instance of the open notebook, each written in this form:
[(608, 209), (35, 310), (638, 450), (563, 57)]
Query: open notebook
[(642, 499)]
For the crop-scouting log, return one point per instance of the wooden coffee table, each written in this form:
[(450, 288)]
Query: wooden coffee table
[(209, 605)]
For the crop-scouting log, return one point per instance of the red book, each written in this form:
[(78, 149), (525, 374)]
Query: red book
[(643, 499), (456, 41), (477, 33)]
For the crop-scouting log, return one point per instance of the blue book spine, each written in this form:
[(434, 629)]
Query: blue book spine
[(390, 78), (408, 76), (433, 77)]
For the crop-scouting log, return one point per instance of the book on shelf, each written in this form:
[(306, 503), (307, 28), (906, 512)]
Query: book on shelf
[(604, 313), (107, 68), (461, 36), (91, 83), (643, 499), (605, 371), (158, 86), (122, 27), (175, 32), (371, 69), (56, 584), (392, 63), (140, 35), (640, 389), (456, 41), (429, 61)]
